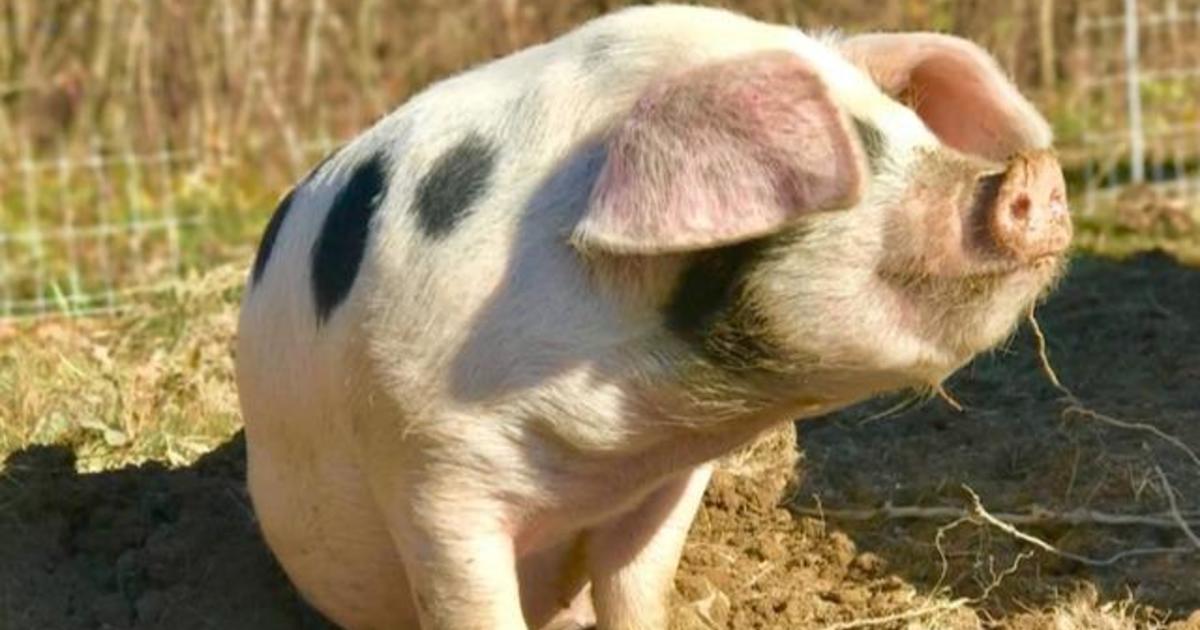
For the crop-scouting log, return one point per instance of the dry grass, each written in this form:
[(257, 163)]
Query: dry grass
[(1083, 610), (153, 383)]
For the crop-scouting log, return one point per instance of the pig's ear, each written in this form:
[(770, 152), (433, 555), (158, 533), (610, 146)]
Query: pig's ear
[(719, 154), (956, 88)]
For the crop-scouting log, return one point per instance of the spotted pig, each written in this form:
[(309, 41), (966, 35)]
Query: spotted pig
[(489, 348)]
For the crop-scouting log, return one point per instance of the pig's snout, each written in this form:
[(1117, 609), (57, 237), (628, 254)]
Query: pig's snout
[(1029, 220)]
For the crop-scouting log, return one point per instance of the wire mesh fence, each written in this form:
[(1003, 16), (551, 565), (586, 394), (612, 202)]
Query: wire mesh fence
[(1140, 99), (176, 181), (63, 253), (85, 235)]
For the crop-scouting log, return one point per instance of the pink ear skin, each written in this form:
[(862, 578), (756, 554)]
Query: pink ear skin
[(956, 88), (720, 154)]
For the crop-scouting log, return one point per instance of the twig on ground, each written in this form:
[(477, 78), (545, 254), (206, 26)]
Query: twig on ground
[(942, 607), (1035, 516), (820, 514), (979, 511), (1135, 426), (1182, 522), (998, 579), (937, 544), (916, 613)]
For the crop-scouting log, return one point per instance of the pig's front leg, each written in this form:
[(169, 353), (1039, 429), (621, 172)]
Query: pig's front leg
[(462, 568), (633, 559)]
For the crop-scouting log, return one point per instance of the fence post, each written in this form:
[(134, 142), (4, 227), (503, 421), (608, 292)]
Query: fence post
[(1046, 41), (1133, 94)]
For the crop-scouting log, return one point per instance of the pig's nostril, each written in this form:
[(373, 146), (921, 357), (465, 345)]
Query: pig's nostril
[(1020, 208)]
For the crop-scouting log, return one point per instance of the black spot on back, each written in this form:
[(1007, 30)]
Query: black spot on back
[(709, 308), (455, 182), (873, 141), (267, 243), (340, 246)]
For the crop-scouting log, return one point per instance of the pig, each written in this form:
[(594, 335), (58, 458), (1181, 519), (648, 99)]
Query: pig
[(489, 348)]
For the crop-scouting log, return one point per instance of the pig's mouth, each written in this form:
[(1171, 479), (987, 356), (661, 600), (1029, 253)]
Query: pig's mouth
[(1043, 264), (995, 286), (988, 267)]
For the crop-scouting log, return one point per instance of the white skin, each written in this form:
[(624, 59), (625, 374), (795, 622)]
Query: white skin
[(498, 430)]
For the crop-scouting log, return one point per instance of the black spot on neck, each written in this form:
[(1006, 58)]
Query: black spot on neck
[(708, 286), (456, 181), (873, 141), (340, 246), (267, 243), (710, 310)]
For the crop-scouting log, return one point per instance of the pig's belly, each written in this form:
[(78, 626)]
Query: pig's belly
[(319, 519)]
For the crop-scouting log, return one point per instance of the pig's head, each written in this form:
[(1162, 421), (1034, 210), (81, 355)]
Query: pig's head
[(863, 215)]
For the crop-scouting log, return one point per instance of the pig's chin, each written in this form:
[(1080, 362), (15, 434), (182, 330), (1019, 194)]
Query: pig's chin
[(961, 316)]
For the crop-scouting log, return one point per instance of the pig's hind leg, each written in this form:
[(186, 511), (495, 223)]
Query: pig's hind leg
[(632, 560)]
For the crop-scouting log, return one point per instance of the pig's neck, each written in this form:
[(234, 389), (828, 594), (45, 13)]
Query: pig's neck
[(710, 397), (706, 401), (698, 369)]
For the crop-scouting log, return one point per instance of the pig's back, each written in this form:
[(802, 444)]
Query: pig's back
[(448, 220)]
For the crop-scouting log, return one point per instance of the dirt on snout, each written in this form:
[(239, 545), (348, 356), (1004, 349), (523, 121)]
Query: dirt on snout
[(868, 524)]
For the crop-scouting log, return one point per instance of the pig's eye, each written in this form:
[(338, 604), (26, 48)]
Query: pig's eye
[(873, 142)]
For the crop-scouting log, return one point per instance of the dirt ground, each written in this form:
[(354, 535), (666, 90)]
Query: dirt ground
[(861, 531)]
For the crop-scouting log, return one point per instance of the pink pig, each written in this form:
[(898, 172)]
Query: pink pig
[(491, 346)]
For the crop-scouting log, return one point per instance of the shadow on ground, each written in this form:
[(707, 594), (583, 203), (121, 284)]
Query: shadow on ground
[(140, 547)]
